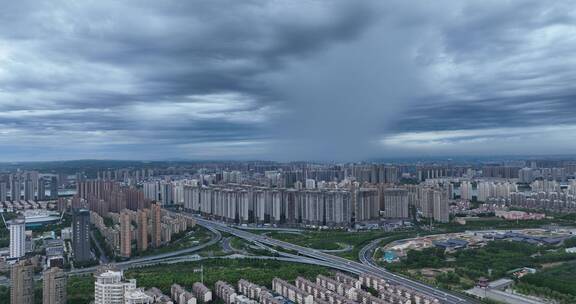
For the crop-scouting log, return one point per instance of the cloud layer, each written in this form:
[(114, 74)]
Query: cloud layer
[(323, 80)]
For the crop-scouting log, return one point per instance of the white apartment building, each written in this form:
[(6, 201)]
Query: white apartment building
[(137, 296), (17, 229), (110, 288)]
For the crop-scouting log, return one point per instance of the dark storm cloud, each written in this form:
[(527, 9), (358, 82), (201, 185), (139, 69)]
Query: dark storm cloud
[(175, 72), (334, 80), (500, 76), (492, 113)]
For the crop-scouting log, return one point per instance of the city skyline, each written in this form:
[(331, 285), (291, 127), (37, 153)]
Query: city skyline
[(184, 232), (317, 80)]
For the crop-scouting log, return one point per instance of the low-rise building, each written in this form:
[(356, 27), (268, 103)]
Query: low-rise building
[(202, 292)]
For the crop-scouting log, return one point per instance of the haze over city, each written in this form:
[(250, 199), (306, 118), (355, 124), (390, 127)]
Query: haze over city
[(284, 80)]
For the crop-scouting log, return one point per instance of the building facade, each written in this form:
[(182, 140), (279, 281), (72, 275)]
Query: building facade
[(81, 235), (17, 229), (22, 283), (54, 286)]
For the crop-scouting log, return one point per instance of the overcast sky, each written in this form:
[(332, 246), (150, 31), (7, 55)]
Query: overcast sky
[(286, 80)]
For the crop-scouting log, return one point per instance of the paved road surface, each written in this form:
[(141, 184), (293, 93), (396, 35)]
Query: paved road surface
[(504, 297), (338, 262), (103, 257), (216, 237)]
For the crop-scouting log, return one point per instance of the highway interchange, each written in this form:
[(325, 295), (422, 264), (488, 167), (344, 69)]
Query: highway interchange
[(305, 255), (338, 262)]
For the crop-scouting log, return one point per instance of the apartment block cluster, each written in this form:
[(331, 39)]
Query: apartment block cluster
[(318, 207), (546, 195), (432, 199), (107, 196), (283, 206), (110, 287), (127, 176), (487, 190), (124, 206), (558, 202), (199, 293), (28, 186), (337, 289), (154, 227), (54, 284)]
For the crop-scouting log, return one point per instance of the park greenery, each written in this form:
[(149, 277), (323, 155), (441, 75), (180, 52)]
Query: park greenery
[(460, 269), (192, 237), (241, 246), (80, 289), (557, 282), (230, 270), (337, 239)]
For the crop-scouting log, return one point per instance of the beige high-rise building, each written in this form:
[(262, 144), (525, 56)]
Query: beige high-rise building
[(54, 290), (22, 283), (156, 215), (125, 235), (441, 208), (142, 236)]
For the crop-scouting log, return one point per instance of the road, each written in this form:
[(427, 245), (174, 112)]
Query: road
[(103, 257), (216, 237), (503, 297), (365, 257), (338, 262), (268, 229)]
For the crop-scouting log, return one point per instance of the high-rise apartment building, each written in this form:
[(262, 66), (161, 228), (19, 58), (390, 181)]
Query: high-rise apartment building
[(81, 235), (395, 203), (434, 203), (500, 171), (54, 188), (167, 193), (142, 233), (489, 189), (17, 229), (3, 192), (426, 201), (526, 175), (466, 190), (125, 235), (28, 190), (15, 188), (156, 217), (54, 289), (41, 193), (441, 208), (152, 190), (22, 283), (367, 204)]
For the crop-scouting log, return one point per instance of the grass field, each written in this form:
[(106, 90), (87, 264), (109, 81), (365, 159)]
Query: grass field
[(331, 240), (195, 236)]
